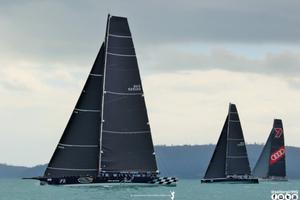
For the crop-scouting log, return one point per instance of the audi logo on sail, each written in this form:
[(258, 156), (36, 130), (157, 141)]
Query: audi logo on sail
[(278, 132), (277, 155)]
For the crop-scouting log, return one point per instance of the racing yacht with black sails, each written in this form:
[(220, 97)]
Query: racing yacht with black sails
[(229, 162), (271, 164), (108, 138)]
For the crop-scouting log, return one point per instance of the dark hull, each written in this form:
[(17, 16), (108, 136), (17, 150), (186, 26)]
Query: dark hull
[(170, 181), (231, 180)]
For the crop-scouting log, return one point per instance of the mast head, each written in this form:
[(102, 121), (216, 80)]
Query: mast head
[(277, 123), (232, 107)]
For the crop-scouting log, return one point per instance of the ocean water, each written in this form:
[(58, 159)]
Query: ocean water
[(16, 189)]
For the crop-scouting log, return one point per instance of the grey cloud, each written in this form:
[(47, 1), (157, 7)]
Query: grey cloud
[(69, 33), (15, 87), (72, 31), (283, 64)]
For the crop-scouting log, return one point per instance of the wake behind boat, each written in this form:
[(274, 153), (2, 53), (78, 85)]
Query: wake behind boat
[(108, 138), (229, 162), (271, 163)]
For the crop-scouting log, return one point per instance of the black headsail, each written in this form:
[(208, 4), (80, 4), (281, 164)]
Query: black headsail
[(77, 153), (271, 162), (216, 167), (230, 155), (126, 143), (261, 168)]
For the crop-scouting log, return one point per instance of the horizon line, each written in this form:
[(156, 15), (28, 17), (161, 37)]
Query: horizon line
[(164, 145)]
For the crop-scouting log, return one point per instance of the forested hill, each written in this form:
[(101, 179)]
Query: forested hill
[(181, 161), (191, 161)]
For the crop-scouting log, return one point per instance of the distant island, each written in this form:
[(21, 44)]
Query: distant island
[(184, 161)]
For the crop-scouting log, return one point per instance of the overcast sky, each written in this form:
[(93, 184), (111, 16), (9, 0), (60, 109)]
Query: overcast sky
[(194, 56)]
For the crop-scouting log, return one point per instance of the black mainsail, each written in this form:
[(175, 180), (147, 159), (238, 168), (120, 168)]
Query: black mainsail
[(108, 137), (237, 162), (271, 163), (126, 143), (230, 160), (77, 152)]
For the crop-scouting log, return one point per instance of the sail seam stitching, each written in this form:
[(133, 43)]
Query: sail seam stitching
[(71, 169), (234, 120), (86, 110), (126, 132), (76, 145), (123, 93), (119, 36), (123, 55), (234, 139), (237, 156), (91, 74)]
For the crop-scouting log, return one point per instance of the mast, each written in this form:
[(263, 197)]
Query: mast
[(227, 131), (103, 89)]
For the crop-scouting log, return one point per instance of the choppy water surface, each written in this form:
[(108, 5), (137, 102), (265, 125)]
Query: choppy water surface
[(15, 189)]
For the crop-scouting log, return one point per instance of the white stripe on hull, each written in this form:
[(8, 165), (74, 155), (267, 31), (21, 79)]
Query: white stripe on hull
[(112, 184)]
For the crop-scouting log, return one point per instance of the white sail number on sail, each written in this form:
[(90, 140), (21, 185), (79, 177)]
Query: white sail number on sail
[(135, 88)]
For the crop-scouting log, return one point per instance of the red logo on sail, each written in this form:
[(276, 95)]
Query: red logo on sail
[(278, 132), (277, 155)]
